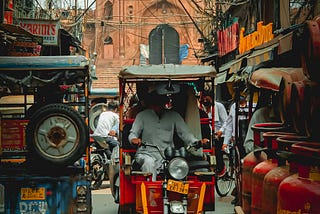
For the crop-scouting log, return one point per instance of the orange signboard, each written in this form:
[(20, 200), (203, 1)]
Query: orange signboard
[(262, 35)]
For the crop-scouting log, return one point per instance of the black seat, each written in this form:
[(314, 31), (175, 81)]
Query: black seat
[(199, 165), (125, 134)]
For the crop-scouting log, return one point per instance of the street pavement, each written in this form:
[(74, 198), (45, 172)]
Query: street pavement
[(103, 202)]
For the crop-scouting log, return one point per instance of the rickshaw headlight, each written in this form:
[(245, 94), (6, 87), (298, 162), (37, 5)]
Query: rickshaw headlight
[(178, 168)]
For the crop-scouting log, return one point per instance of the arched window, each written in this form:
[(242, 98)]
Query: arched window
[(108, 10), (108, 40), (108, 48)]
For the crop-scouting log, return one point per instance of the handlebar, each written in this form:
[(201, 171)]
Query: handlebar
[(196, 145), (144, 144)]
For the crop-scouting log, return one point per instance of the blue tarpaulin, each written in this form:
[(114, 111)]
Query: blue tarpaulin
[(183, 53)]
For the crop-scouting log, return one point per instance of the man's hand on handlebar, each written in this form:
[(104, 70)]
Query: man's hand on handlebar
[(204, 141), (112, 133), (218, 134), (224, 147), (198, 143), (136, 141)]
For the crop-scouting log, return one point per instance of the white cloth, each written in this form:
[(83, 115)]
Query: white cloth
[(220, 115), (228, 128), (107, 121)]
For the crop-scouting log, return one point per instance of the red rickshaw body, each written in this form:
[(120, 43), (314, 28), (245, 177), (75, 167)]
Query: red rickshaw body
[(138, 193)]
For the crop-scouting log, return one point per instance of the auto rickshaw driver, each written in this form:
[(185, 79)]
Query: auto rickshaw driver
[(157, 125)]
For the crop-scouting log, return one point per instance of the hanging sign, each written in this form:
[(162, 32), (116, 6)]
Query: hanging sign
[(262, 35), (48, 29), (228, 39)]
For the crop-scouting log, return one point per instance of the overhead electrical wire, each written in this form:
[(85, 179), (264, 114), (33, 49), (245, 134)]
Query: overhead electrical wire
[(117, 25)]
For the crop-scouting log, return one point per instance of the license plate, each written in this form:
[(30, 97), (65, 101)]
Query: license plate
[(33, 193), (177, 186)]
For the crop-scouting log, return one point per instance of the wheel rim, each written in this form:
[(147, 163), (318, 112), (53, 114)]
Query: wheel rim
[(223, 184), (238, 171), (97, 169), (57, 137)]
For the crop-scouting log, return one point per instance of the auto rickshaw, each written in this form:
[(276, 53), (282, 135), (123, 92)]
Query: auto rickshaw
[(190, 193)]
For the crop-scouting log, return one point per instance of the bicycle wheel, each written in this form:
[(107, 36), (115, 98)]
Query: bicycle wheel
[(238, 170), (223, 184)]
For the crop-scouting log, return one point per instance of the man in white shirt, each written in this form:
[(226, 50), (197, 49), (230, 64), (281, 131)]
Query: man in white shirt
[(220, 113), (220, 116), (107, 127), (228, 128)]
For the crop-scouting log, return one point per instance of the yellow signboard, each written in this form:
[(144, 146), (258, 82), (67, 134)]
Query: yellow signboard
[(33, 193), (262, 35)]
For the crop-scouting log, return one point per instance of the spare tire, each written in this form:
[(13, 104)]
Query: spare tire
[(57, 134)]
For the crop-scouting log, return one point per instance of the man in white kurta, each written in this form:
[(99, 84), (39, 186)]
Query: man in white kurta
[(157, 125)]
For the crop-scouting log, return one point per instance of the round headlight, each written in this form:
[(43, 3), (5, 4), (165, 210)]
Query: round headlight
[(178, 168)]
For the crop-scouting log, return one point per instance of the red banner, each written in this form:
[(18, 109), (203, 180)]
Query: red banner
[(228, 39), (13, 135)]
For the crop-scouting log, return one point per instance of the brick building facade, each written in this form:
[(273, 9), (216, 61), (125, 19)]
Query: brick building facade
[(118, 29)]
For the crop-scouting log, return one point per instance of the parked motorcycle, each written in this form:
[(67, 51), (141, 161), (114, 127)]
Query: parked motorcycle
[(100, 160)]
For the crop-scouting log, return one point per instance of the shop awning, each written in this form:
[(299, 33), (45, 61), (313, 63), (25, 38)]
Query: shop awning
[(220, 78), (260, 56), (233, 66)]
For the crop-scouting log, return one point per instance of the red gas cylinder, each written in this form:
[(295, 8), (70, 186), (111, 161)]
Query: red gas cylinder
[(270, 138), (265, 127), (275, 176), (261, 169), (252, 159), (285, 142), (300, 193), (249, 162), (258, 174)]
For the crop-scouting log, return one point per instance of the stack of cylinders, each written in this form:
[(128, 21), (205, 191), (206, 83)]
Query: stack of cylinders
[(252, 159), (300, 193), (275, 176), (261, 169)]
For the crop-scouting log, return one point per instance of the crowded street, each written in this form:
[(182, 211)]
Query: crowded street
[(159, 106)]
